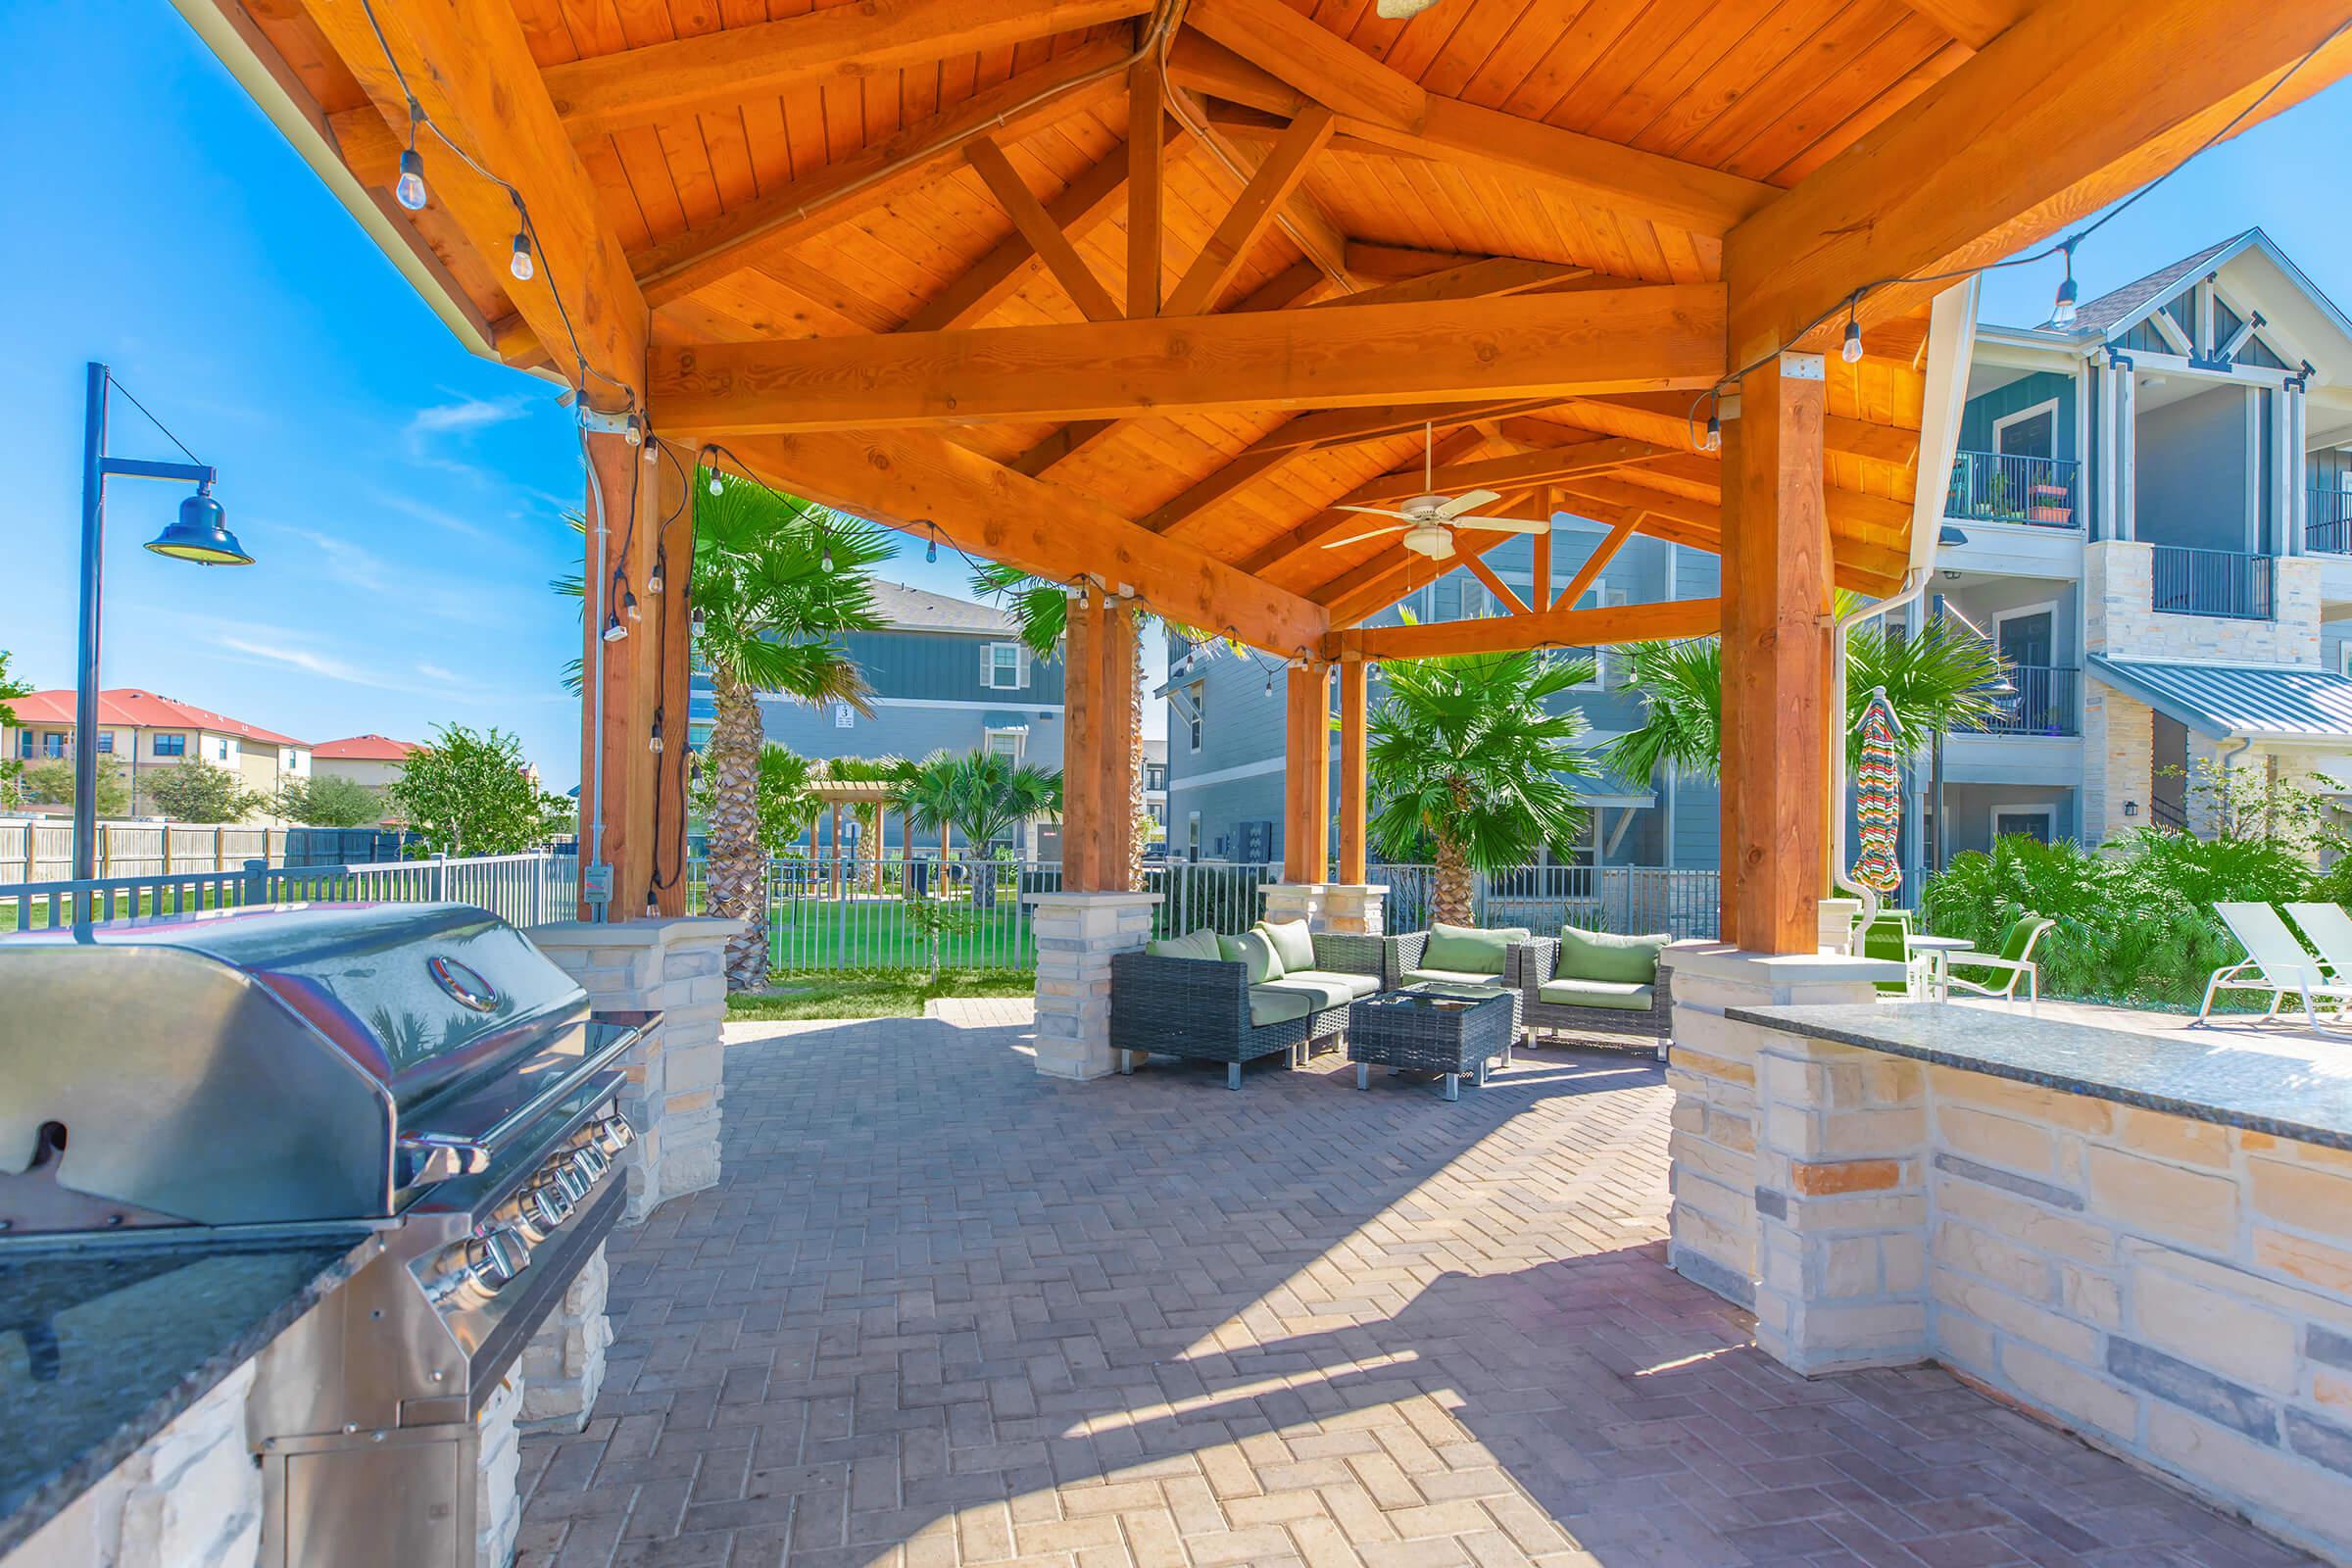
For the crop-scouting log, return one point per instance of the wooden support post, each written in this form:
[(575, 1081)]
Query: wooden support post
[(1539, 589), (1097, 746), (1306, 776), (670, 615), (1777, 728), (629, 669), (1353, 673)]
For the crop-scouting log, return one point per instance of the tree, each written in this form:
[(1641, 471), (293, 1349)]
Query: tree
[(782, 804), (981, 795), (328, 801), (198, 792), (472, 793), (52, 783), (1935, 678), (11, 770), (1464, 756)]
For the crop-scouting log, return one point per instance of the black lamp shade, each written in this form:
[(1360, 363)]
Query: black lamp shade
[(201, 535)]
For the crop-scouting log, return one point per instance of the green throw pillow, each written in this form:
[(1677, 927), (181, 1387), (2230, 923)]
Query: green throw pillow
[(1253, 949), (1469, 949), (1603, 955), (1294, 943), (1200, 943)]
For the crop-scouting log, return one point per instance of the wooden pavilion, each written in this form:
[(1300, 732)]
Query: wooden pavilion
[(1132, 293)]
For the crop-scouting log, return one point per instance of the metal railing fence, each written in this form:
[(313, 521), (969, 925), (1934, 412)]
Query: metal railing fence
[(2005, 487), (2044, 704), (2226, 584), (526, 890), (2327, 521)]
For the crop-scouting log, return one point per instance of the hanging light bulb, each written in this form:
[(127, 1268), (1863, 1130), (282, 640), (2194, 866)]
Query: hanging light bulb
[(628, 605), (931, 549), (1270, 685), (2062, 313), (826, 559), (632, 432), (715, 487), (654, 741), (409, 189), (1851, 353), (694, 622), (1714, 437), (653, 447), (520, 263), (653, 581)]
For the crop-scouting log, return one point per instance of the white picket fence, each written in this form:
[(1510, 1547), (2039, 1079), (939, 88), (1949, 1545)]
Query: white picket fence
[(525, 890)]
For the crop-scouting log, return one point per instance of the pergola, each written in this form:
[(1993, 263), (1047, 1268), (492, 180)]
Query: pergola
[(1134, 293)]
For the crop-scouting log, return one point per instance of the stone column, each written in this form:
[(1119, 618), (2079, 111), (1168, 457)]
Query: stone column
[(1357, 908), (563, 1366), (498, 1467), (1810, 1219), (1076, 933), (675, 966)]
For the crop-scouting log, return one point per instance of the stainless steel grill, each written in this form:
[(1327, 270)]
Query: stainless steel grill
[(420, 1069)]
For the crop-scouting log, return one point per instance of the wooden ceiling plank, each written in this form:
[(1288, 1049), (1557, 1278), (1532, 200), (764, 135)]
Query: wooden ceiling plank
[(472, 69), (914, 156), (1433, 351), (870, 41), (2078, 102), (1975, 23), (1502, 473), (1598, 628), (1036, 225), (908, 479), (1260, 201), (987, 283), (1486, 277)]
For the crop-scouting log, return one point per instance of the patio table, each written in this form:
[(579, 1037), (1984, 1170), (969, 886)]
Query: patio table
[(1444, 1029), (1939, 951)]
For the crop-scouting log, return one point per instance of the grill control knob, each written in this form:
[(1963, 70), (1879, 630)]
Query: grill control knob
[(614, 1134), (565, 1178), (500, 1255), (590, 1162), (543, 1207)]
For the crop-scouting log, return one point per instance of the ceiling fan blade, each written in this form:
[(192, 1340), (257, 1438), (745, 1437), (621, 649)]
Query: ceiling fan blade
[(1380, 512), (1506, 524), (1359, 538), (1466, 502)]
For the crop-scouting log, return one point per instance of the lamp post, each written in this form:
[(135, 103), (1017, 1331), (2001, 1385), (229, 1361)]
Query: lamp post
[(200, 535)]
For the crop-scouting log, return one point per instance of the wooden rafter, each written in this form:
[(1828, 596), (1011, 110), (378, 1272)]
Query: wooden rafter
[(838, 44), (914, 156), (1366, 590), (1975, 23), (1597, 561), (1598, 628), (1147, 180), (1502, 591), (1229, 246), (1438, 351), (1264, 42), (1869, 567), (1036, 225)]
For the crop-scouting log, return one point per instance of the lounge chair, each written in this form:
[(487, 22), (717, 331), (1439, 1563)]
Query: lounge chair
[(2328, 930), (2015, 960), (2276, 962)]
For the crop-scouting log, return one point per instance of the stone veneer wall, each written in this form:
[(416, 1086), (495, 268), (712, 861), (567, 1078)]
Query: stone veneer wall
[(1076, 933), (1358, 909), (2171, 1290), (2119, 577), (191, 1498), (2119, 742)]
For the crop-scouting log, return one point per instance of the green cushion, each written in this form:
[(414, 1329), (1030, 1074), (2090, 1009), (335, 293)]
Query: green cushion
[(1889, 937), (1200, 943), (1357, 985), (1601, 955), (1331, 991), (1254, 950), (1459, 977), (1619, 994), (1294, 943), (1468, 949), (1268, 1004)]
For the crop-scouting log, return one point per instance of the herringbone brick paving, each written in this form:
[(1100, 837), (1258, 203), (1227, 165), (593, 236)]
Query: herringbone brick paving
[(941, 1312)]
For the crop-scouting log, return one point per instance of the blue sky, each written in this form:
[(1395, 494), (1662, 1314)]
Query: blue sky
[(405, 499)]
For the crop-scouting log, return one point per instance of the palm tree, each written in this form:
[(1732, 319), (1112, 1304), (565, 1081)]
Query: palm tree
[(1465, 756), (777, 580), (981, 795), (783, 806), (1936, 677), (1041, 617)]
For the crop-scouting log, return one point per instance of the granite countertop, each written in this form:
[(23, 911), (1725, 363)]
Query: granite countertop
[(102, 1345), (2300, 1090)]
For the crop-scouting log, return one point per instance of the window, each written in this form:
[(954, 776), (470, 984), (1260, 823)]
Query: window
[(1003, 667), (1191, 835), (24, 736), (106, 740), (171, 746), (1197, 692), (844, 717), (2024, 822), (1156, 775), (2031, 433), (1006, 742), (224, 745), (53, 744)]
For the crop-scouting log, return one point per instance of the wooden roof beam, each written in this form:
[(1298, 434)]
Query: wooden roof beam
[(1381, 106), (1367, 589), (473, 71), (1668, 418), (917, 154), (908, 479), (1601, 626), (1252, 210), (1974, 22), (1045, 238), (1628, 339), (839, 44), (2077, 104)]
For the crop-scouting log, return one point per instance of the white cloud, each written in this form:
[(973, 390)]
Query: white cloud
[(434, 672), (465, 415)]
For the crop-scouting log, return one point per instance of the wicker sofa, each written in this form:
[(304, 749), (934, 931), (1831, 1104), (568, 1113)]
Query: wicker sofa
[(1611, 1014), (1207, 1010)]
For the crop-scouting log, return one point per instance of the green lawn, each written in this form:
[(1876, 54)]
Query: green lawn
[(825, 935), (868, 995)]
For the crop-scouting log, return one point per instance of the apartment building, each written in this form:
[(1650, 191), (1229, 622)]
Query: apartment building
[(142, 731), (374, 761), (2157, 504)]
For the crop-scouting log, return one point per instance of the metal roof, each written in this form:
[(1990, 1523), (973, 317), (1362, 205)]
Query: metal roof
[(2260, 702)]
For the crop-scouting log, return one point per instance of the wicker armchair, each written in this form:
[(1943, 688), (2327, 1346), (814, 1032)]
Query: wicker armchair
[(1648, 1028), (1199, 1009)]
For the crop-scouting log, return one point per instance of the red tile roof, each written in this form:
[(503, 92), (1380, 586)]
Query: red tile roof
[(128, 705), (363, 748)]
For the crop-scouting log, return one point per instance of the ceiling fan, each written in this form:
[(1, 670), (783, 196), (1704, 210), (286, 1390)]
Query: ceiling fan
[(1428, 521)]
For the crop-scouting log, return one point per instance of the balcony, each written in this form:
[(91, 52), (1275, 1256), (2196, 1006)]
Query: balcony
[(2327, 521), (2003, 487), (2222, 583), (2044, 704)]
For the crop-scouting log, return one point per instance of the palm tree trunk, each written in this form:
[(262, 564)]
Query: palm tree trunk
[(738, 868), (1454, 866)]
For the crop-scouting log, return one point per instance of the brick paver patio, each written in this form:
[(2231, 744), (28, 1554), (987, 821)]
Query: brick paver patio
[(941, 1312)]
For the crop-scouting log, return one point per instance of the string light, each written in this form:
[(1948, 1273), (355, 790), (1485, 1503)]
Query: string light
[(2062, 313), (715, 487), (519, 263), (931, 549), (653, 447), (1851, 351), (694, 622), (628, 603), (825, 560), (653, 579), (1714, 436), (409, 187), (654, 741)]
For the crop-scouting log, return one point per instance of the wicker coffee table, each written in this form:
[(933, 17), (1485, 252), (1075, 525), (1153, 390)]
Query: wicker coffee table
[(1450, 1030)]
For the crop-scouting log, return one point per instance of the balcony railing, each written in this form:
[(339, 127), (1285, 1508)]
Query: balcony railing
[(2001, 487), (2044, 704), (2327, 521), (2222, 584)]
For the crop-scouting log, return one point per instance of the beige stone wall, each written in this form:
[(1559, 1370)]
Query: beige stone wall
[(2118, 576), (1076, 933), (2119, 737), (1354, 907)]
